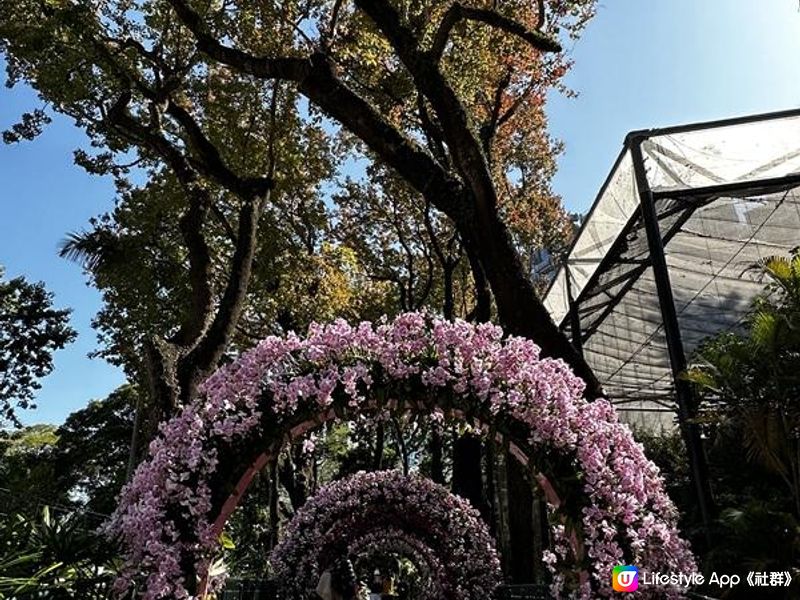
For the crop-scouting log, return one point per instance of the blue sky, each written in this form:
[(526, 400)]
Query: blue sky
[(43, 196), (654, 63), (640, 64)]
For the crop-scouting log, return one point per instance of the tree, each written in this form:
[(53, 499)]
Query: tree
[(140, 80), (91, 452), (31, 330), (448, 96), (181, 346), (80, 464), (384, 225), (28, 474)]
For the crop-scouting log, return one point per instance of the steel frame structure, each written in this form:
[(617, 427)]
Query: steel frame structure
[(687, 200)]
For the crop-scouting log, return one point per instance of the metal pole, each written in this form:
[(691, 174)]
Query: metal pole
[(574, 317), (677, 357)]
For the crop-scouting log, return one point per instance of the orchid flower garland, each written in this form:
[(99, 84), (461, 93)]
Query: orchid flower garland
[(167, 516), (443, 528), (391, 541)]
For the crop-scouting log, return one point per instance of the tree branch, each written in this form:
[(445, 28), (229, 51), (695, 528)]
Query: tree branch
[(458, 12), (290, 68), (437, 248), (464, 147), (330, 33), (207, 352), (207, 159), (318, 81), (541, 15), (489, 130), (482, 311), (226, 224), (191, 225), (401, 443), (515, 106), (432, 133), (120, 120), (412, 276), (426, 288), (210, 161)]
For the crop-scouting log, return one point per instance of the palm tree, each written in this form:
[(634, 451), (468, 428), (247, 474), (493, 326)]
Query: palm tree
[(93, 250), (751, 380)]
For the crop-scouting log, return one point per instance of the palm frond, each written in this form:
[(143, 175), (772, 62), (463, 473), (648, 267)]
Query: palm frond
[(764, 331), (784, 272), (702, 377), (766, 441), (93, 250)]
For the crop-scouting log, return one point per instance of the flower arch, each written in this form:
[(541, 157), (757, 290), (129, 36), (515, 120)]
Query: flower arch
[(392, 541), (370, 511), (606, 499)]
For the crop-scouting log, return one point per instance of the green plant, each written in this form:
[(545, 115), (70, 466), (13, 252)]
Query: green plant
[(750, 381), (747, 383), (52, 556)]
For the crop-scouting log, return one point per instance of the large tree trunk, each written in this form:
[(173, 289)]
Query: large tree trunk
[(176, 367), (519, 308), (467, 471), (521, 524)]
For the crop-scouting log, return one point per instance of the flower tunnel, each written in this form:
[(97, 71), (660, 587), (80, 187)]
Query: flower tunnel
[(392, 543), (606, 500), (369, 512)]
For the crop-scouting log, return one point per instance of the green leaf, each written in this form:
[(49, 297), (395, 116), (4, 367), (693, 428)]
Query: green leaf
[(226, 541)]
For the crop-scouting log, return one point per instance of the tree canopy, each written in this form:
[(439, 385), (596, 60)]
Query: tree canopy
[(234, 98), (31, 330)]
